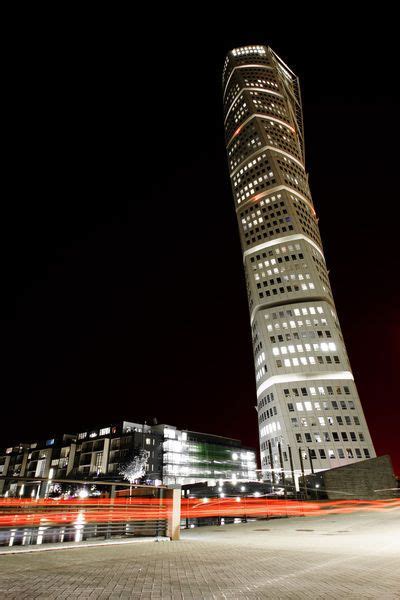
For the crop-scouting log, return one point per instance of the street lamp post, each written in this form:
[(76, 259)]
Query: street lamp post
[(282, 469), (292, 469), (271, 462), (302, 472)]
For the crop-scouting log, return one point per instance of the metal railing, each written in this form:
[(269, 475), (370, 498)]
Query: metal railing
[(25, 522), (216, 510)]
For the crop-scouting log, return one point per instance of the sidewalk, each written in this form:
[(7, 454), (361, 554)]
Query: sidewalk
[(74, 545), (345, 556)]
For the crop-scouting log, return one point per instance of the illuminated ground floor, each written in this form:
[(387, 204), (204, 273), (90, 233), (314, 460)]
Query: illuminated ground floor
[(335, 556)]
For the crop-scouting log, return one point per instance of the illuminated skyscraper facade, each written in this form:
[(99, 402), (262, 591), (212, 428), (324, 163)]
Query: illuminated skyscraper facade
[(310, 416)]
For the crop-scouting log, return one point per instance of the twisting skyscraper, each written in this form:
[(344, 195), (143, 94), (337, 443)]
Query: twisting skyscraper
[(309, 412)]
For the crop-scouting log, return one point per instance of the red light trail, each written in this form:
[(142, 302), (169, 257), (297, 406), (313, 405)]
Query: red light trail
[(16, 513)]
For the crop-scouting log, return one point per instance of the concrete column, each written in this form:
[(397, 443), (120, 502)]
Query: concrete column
[(6, 465), (44, 486), (92, 468), (49, 454), (71, 458), (20, 488), (24, 463), (174, 512), (106, 451)]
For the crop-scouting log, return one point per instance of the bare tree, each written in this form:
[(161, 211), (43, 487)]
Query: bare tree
[(135, 468)]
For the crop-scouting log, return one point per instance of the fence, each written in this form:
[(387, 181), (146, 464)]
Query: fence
[(216, 510), (24, 522)]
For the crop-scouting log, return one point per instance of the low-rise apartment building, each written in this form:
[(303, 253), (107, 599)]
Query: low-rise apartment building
[(97, 454)]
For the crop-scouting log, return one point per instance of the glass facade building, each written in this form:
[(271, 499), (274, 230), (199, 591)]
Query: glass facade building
[(191, 457)]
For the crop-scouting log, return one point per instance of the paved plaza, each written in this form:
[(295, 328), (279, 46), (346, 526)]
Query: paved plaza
[(337, 556)]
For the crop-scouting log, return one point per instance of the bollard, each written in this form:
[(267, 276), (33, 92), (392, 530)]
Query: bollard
[(173, 493)]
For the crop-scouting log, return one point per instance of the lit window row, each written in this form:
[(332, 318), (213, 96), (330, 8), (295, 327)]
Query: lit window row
[(303, 360), (310, 406), (295, 311), (260, 359), (259, 83), (250, 165), (260, 373), (296, 362), (284, 268), (266, 201), (278, 250), (284, 278), (292, 349), (251, 188), (266, 105), (268, 414), (316, 406), (290, 164), (245, 50), (295, 336), (270, 428), (314, 391), (280, 271), (266, 400), (327, 436), (340, 453), (292, 324), (311, 421), (239, 112), (283, 290)]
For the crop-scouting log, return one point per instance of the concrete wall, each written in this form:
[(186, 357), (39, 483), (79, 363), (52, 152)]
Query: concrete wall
[(367, 479)]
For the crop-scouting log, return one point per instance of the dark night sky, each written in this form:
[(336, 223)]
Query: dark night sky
[(123, 294)]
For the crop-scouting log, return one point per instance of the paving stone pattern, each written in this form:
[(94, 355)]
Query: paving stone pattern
[(336, 556)]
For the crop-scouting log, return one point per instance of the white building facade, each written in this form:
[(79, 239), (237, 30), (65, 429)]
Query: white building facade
[(309, 413)]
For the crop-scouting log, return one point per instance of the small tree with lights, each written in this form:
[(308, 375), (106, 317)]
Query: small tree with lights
[(135, 468)]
